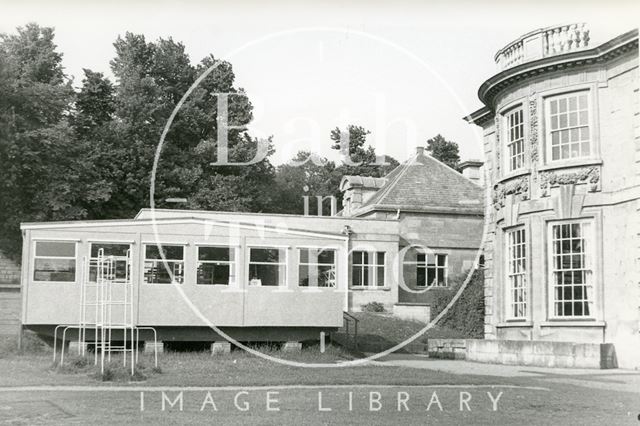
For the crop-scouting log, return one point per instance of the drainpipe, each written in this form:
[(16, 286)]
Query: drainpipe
[(346, 231)]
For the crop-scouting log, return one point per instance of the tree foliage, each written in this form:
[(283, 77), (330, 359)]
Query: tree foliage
[(312, 177), (46, 173), (89, 154), (444, 151)]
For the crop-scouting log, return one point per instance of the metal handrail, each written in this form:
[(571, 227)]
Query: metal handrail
[(350, 318)]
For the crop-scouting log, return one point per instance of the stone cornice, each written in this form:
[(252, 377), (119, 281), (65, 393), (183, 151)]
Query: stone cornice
[(606, 51)]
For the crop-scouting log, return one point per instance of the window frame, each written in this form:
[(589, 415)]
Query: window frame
[(335, 264), (589, 268), (426, 265), (547, 133), (92, 259), (54, 240), (233, 264), (524, 275), (506, 114), (161, 261), (285, 279), (372, 269)]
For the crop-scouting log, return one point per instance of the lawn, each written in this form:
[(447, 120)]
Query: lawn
[(378, 331), (35, 367)]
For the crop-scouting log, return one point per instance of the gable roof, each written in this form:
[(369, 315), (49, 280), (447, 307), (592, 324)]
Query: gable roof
[(423, 183)]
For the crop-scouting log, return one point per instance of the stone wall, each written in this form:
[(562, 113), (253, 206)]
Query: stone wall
[(10, 301), (9, 271), (526, 352), (542, 353)]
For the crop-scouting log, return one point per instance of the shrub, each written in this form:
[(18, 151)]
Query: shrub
[(373, 307), (467, 314)]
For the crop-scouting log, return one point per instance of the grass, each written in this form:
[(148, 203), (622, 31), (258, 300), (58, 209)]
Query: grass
[(202, 369), (386, 330), (31, 344)]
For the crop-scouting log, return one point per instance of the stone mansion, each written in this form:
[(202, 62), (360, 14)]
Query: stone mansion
[(561, 128)]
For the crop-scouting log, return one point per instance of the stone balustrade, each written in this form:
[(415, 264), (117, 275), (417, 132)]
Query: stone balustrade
[(543, 43)]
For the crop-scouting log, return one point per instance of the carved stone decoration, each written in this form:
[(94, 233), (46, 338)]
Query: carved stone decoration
[(533, 130), (498, 147), (519, 186), (583, 175)]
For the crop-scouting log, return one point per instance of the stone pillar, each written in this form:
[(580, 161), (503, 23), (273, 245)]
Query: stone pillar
[(220, 348), (150, 346), (292, 347), (76, 348)]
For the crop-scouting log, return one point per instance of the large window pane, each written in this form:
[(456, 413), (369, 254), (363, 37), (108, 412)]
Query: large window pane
[(570, 275), (317, 267), (216, 265), (115, 260), (55, 249), (424, 269), (568, 127), (517, 273), (158, 272), (367, 269), (267, 266), (55, 261), (63, 270), (515, 139)]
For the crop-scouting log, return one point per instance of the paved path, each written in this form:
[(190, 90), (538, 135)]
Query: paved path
[(496, 395), (614, 379)]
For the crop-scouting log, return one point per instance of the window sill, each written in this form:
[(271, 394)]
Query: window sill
[(368, 288), (513, 175), (579, 162), (573, 323), (514, 323)]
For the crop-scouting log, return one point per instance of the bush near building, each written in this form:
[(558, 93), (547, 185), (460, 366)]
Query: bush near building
[(467, 314)]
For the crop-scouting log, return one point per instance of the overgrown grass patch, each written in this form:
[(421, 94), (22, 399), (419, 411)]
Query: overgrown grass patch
[(385, 328), (114, 371), (31, 344)]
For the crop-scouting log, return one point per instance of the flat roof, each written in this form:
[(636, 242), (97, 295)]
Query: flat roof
[(182, 212)]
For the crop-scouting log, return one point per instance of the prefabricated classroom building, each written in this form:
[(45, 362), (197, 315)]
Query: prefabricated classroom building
[(256, 277)]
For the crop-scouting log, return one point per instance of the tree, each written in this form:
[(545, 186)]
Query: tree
[(46, 174), (89, 155), (151, 79), (444, 151), (294, 181), (364, 157)]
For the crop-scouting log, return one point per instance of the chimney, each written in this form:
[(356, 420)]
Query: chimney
[(472, 169), (420, 150), (357, 191)]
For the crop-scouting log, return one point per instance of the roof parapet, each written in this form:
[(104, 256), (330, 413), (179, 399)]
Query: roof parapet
[(542, 43)]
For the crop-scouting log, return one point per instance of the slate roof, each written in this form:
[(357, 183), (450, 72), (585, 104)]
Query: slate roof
[(423, 183)]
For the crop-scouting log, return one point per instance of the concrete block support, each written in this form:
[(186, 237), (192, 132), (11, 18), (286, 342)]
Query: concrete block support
[(220, 348), (150, 346), (292, 347), (76, 347)]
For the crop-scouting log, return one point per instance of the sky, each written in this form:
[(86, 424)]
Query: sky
[(404, 70)]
